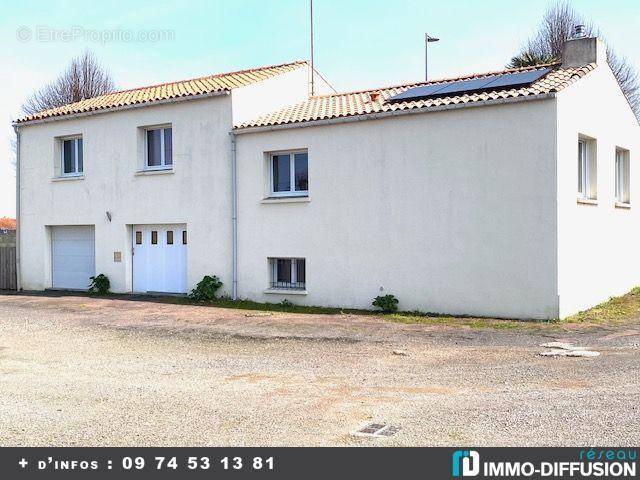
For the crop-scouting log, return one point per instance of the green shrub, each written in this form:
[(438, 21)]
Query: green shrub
[(100, 284), (286, 304), (206, 289), (388, 303)]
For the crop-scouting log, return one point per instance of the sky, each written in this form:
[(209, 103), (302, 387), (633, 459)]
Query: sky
[(358, 43)]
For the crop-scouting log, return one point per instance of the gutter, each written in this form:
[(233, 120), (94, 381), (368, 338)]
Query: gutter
[(123, 107), (234, 218), (392, 113), (18, 273)]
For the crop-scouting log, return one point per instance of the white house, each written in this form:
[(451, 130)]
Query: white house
[(500, 194)]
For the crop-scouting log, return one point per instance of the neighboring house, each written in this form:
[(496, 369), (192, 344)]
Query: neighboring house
[(7, 232), (502, 194)]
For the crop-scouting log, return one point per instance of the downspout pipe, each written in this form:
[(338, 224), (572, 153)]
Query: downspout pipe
[(16, 129), (234, 218)]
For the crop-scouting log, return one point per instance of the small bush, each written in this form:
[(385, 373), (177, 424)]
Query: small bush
[(100, 284), (388, 303), (206, 289), (286, 304)]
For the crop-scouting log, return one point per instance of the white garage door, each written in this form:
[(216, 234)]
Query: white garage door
[(73, 256), (160, 258)]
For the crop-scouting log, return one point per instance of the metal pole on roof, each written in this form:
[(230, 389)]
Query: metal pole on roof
[(313, 90), (427, 40)]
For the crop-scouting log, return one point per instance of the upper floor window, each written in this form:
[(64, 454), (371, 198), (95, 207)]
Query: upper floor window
[(289, 174), (587, 169), (159, 150), (71, 161), (622, 176)]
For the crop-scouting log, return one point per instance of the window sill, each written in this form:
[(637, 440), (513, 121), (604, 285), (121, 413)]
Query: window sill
[(68, 178), (285, 291), (625, 206), (159, 171), (587, 201), (267, 200)]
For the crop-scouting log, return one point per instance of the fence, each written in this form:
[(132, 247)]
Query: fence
[(7, 268)]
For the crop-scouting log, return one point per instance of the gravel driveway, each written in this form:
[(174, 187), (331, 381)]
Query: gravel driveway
[(103, 372)]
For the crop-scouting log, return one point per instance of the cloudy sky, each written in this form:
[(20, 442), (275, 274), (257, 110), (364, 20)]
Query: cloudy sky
[(359, 43)]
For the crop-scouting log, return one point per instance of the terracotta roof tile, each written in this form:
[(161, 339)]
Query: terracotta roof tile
[(359, 103), (166, 91)]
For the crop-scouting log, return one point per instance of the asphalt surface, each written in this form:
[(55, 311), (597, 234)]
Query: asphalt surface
[(78, 371)]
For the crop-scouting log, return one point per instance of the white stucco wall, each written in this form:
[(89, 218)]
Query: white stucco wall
[(274, 93), (197, 193), (451, 211), (597, 244)]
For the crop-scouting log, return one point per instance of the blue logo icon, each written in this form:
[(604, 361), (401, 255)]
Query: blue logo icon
[(465, 463)]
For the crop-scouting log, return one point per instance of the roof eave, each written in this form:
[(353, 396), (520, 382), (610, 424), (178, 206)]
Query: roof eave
[(71, 116), (392, 113)]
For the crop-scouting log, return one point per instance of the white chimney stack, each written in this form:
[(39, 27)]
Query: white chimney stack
[(582, 50)]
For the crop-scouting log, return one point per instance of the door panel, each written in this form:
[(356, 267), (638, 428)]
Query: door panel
[(160, 267), (72, 256)]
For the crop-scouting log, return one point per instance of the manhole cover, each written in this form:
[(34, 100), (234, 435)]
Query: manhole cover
[(377, 430)]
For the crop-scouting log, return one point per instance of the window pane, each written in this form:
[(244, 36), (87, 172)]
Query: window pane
[(169, 237), (153, 148), (184, 237), (618, 177), (68, 162), (79, 147), (281, 173), (283, 270), (168, 147), (154, 237), (301, 270), (138, 238), (581, 165), (302, 179)]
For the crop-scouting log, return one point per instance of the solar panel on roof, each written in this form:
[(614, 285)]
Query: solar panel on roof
[(516, 79), (467, 85), (418, 92), (473, 85)]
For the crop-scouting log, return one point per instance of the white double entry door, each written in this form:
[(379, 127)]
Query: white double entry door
[(160, 258)]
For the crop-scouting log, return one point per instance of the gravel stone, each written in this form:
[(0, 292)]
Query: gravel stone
[(79, 371)]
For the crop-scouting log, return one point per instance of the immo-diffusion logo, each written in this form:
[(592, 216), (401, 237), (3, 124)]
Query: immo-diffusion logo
[(465, 463)]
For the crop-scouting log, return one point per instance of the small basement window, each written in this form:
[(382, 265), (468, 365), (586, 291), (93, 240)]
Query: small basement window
[(159, 148), (72, 163), (289, 174), (587, 169), (622, 176), (288, 273)]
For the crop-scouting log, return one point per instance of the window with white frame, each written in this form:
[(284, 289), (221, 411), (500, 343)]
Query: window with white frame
[(71, 162), (159, 148), (287, 273), (289, 174), (587, 169), (622, 176)]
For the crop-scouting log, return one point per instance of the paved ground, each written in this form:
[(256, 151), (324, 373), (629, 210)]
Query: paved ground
[(82, 371)]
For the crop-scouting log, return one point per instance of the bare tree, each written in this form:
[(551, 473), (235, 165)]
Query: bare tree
[(83, 78), (557, 26)]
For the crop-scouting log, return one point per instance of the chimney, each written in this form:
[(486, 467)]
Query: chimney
[(581, 50)]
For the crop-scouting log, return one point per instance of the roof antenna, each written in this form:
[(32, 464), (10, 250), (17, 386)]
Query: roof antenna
[(313, 87), (427, 41)]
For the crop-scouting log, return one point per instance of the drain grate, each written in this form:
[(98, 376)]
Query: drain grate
[(377, 430)]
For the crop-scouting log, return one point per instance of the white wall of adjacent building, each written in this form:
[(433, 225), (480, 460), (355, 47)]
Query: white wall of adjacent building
[(451, 211), (597, 243)]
